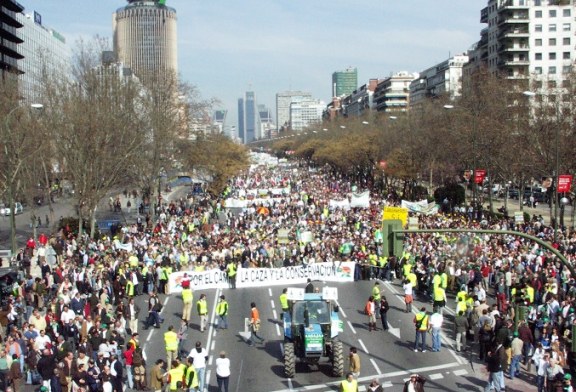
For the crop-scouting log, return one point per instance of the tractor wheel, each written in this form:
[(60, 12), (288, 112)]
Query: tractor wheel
[(289, 360), (337, 359)]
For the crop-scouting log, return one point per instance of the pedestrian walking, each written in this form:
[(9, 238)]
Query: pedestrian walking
[(350, 384), (254, 325), (202, 308), (222, 372), (187, 301), (199, 356), (376, 293), (516, 347), (415, 384), (370, 310), (461, 327), (436, 321), (422, 325), (354, 362), (495, 363), (408, 295), (171, 343), (384, 307), (222, 312), (284, 304)]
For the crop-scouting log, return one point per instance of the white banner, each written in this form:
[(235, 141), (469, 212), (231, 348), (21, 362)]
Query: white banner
[(264, 277), (344, 204), (360, 200), (421, 207)]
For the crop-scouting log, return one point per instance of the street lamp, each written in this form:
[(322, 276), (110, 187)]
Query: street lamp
[(556, 173), (11, 203)]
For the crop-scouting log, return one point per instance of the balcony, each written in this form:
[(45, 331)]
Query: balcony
[(515, 5), (513, 19), (484, 15), (514, 33), (515, 62), (513, 48)]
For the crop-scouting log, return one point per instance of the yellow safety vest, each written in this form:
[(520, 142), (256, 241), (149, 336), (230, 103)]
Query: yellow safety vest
[(133, 260), (413, 279), (439, 294), (176, 374), (530, 292), (231, 270), (406, 268), (202, 307), (222, 308), (129, 288), (461, 307), (194, 384), (376, 293), (349, 386), (444, 277), (436, 281), (171, 340), (187, 296), (424, 324), (284, 301)]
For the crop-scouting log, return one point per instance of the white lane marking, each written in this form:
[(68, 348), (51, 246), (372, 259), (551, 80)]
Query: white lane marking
[(351, 327), (398, 373), (282, 350), (164, 304), (435, 376), (144, 355), (239, 375), (340, 310), (209, 364), (272, 303), (387, 384), (269, 291), (363, 346), (289, 384), (460, 372), (213, 345), (375, 366), (149, 335), (277, 329), (211, 330), (362, 388), (206, 386)]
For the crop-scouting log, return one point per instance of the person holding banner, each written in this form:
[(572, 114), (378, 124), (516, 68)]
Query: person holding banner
[(202, 307)]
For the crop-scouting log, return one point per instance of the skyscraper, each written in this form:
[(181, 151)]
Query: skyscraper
[(248, 118), (145, 37), (344, 82), (9, 40)]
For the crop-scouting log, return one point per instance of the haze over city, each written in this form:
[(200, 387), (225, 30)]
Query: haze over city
[(227, 48)]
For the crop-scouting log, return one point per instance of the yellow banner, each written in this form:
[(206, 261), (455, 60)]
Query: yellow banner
[(399, 213)]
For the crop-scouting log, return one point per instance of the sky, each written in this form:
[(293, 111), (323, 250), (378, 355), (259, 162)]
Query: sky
[(228, 47)]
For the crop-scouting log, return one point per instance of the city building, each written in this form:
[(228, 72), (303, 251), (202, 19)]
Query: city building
[(360, 100), (43, 48), (9, 37), (392, 94), (305, 112), (219, 120), (440, 79), (145, 37), (248, 119), (344, 82), (526, 39), (283, 101), (267, 126)]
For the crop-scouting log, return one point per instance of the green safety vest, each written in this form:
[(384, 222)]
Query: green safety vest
[(376, 293)]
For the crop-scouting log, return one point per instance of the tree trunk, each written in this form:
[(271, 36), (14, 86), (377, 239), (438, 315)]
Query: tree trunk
[(93, 222), (80, 220)]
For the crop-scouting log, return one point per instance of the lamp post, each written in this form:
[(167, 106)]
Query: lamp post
[(12, 176), (556, 174)]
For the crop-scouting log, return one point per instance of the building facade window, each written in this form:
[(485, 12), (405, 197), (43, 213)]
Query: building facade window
[(552, 41), (538, 70), (566, 41), (566, 12), (538, 28), (566, 56), (538, 42), (538, 56), (567, 69), (552, 56), (566, 27), (552, 13), (538, 14), (552, 70), (552, 28)]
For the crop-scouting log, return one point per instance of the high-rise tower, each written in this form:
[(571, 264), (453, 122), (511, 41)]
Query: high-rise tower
[(145, 37)]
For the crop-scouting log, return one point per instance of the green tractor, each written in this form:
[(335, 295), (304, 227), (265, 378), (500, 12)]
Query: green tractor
[(311, 330)]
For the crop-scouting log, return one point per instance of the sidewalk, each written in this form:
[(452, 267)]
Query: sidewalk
[(541, 209)]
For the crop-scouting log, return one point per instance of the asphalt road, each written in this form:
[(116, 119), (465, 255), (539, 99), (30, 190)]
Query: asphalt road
[(383, 356)]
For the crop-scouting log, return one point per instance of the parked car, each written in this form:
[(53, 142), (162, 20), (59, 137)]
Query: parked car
[(5, 211)]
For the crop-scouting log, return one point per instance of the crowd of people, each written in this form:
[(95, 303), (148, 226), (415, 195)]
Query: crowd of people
[(73, 325)]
